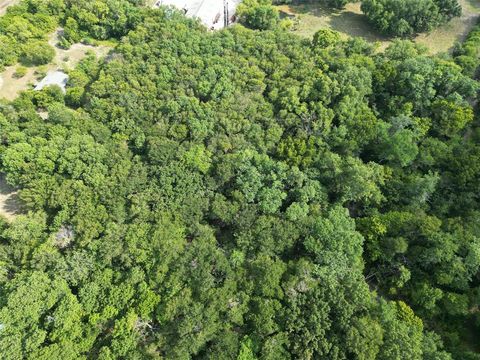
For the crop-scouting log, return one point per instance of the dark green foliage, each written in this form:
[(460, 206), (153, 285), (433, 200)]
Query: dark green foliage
[(337, 3)]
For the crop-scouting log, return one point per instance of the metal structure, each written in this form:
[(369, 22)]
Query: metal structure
[(215, 14)]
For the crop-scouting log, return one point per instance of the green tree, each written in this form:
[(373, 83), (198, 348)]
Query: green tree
[(259, 15)]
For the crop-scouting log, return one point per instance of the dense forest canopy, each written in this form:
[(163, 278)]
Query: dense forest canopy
[(240, 194)]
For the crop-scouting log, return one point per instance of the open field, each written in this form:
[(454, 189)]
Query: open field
[(10, 86), (311, 17), (10, 204), (4, 4)]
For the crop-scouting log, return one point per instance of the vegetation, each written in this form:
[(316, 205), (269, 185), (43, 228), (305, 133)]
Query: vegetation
[(24, 30), (241, 195), (350, 22), (20, 72), (467, 54), (259, 15), (409, 17)]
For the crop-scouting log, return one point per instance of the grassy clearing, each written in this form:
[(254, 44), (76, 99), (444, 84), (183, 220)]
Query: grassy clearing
[(11, 86), (443, 38), (71, 57), (310, 17)]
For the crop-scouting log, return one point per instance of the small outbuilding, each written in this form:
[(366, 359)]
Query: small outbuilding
[(58, 78)]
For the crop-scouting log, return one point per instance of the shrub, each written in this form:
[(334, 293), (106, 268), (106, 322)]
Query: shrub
[(20, 72), (41, 72), (259, 15), (325, 37), (37, 53), (409, 17)]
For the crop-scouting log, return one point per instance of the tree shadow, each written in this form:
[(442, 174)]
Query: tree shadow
[(313, 8), (10, 202), (13, 205)]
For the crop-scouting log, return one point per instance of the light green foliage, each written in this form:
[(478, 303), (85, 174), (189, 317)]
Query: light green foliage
[(450, 118), (325, 37), (400, 147), (246, 352)]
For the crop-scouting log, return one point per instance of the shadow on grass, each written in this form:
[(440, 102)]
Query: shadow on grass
[(350, 21), (5, 189), (10, 203), (354, 24)]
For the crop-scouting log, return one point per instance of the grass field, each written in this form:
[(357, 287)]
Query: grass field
[(350, 21)]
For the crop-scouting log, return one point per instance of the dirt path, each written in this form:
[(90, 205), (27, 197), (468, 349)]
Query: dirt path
[(4, 4), (10, 204)]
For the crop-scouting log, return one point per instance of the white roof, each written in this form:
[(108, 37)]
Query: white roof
[(58, 78), (210, 12)]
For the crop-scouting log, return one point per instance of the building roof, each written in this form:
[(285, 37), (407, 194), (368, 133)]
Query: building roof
[(58, 78), (210, 12)]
